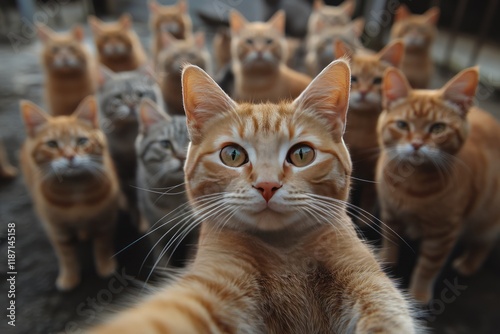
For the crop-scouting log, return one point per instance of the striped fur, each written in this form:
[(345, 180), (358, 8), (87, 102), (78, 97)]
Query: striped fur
[(447, 188), (276, 265)]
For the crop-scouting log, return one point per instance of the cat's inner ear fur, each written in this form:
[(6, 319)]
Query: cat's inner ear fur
[(150, 114), (95, 25), (203, 100), (461, 89), (44, 33), (87, 112), (328, 96), (395, 87), (402, 13), (236, 21), (33, 117), (277, 21), (393, 53)]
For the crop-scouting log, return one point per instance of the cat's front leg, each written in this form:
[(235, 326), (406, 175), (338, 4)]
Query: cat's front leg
[(390, 240), (69, 265)]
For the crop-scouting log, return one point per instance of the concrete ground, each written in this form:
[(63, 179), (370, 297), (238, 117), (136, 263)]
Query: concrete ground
[(462, 305)]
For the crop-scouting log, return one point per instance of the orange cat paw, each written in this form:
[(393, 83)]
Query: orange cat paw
[(423, 296), (106, 268), (8, 172), (67, 282), (464, 267)]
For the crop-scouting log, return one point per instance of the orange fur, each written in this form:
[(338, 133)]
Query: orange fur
[(259, 61), (68, 69), (73, 184), (324, 16), (438, 174), (267, 268), (118, 46)]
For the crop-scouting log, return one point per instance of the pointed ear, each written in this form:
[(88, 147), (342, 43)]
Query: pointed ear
[(153, 6), (104, 74), (150, 114), (357, 26), (126, 21), (318, 4), (33, 117), (95, 24), (78, 33), (395, 87), (348, 7), (183, 6), (328, 96), (199, 40), (277, 21), (166, 39), (203, 100), (236, 21), (44, 33), (393, 53), (87, 111), (147, 71), (461, 89), (402, 13), (432, 15), (341, 49)]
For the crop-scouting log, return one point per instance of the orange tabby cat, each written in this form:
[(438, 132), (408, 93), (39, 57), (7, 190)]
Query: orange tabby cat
[(7, 171), (222, 48), (365, 105), (68, 170), (118, 46), (175, 54), (278, 253), (418, 32), (328, 16), (258, 60), (438, 174), (172, 19), (68, 69)]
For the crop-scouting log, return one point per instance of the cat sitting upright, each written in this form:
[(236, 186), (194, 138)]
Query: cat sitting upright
[(118, 46), (69, 69), (259, 58)]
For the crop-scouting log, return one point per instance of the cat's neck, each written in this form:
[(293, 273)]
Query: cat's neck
[(260, 80)]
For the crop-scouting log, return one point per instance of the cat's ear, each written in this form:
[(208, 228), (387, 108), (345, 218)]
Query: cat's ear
[(166, 39), (104, 74), (393, 53), (402, 13), (126, 21), (432, 15), (87, 112), (44, 33), (342, 50), (236, 21), (78, 33), (95, 25), (318, 4), (199, 40), (328, 96), (348, 7), (33, 117), (183, 6), (357, 27), (461, 89), (150, 114), (154, 6), (395, 87), (277, 21), (203, 100)]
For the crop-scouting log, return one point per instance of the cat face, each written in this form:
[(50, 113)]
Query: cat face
[(264, 163), (113, 40), (330, 16), (177, 53), (170, 19), (427, 125), (367, 71), (63, 53), (417, 31), (161, 146), (65, 146), (258, 46), (120, 94)]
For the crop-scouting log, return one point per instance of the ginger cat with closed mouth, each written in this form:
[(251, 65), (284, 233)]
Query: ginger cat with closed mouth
[(418, 33), (437, 175), (117, 45), (69, 69), (259, 58), (277, 252), (72, 180), (365, 106)]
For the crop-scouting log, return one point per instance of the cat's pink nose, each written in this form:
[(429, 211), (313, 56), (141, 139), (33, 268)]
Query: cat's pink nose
[(267, 189), (417, 145)]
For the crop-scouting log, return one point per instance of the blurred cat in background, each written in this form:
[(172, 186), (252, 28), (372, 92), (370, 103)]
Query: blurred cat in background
[(324, 16), (7, 171), (69, 69), (72, 180), (222, 48), (118, 46), (418, 33), (258, 52), (437, 176), (173, 56), (161, 151), (173, 19), (120, 95)]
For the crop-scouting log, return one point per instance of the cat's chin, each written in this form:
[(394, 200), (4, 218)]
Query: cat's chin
[(267, 220)]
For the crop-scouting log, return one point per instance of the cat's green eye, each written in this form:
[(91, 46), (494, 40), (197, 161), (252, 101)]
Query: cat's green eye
[(166, 144), (82, 141), (301, 155), (233, 156), (437, 128), (377, 80), (402, 125), (354, 78), (52, 143)]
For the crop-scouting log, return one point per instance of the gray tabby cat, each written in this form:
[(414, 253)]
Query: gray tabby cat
[(161, 151), (120, 95)]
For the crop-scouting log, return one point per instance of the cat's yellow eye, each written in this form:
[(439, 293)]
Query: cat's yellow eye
[(402, 125), (52, 143), (233, 156), (437, 128), (301, 155)]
